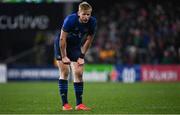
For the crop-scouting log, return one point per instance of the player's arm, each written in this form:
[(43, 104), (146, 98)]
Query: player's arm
[(63, 37), (89, 38), (63, 45), (66, 27), (87, 44), (85, 48), (88, 41)]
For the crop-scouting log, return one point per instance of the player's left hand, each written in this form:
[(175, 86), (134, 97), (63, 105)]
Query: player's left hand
[(80, 61)]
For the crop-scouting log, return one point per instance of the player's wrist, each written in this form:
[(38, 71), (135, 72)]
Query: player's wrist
[(82, 56), (64, 56)]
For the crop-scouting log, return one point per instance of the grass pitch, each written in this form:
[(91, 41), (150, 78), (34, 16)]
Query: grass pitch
[(104, 98)]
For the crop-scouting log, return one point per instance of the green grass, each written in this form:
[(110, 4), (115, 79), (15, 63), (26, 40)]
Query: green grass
[(105, 98)]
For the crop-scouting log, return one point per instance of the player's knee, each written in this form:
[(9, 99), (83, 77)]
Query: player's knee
[(78, 78), (65, 73), (79, 73)]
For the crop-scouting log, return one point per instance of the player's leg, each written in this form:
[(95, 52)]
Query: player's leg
[(63, 84), (78, 85), (63, 75)]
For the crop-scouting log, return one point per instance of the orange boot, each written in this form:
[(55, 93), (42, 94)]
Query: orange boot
[(82, 107), (67, 107)]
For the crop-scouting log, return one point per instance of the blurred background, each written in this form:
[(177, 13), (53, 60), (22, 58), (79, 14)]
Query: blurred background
[(136, 40)]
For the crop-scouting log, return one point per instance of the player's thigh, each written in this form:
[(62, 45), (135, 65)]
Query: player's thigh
[(76, 68), (64, 68)]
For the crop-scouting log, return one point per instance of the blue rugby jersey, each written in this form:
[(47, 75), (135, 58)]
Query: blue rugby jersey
[(76, 30)]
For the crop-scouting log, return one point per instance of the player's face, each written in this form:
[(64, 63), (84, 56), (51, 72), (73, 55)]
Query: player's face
[(84, 16)]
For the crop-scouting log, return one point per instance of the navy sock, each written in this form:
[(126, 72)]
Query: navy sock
[(78, 87), (63, 89)]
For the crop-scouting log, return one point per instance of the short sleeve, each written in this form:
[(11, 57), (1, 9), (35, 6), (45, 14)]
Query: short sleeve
[(93, 26), (67, 24)]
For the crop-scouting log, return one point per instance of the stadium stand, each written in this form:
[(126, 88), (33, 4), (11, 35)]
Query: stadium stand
[(129, 32)]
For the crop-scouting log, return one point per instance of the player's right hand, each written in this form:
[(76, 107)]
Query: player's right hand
[(66, 60), (80, 61)]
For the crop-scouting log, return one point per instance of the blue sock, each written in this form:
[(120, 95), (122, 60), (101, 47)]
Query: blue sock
[(78, 87), (63, 89)]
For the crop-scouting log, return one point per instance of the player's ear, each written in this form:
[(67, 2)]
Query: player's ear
[(78, 13)]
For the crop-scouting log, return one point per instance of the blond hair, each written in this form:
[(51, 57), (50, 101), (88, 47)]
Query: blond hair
[(84, 6)]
